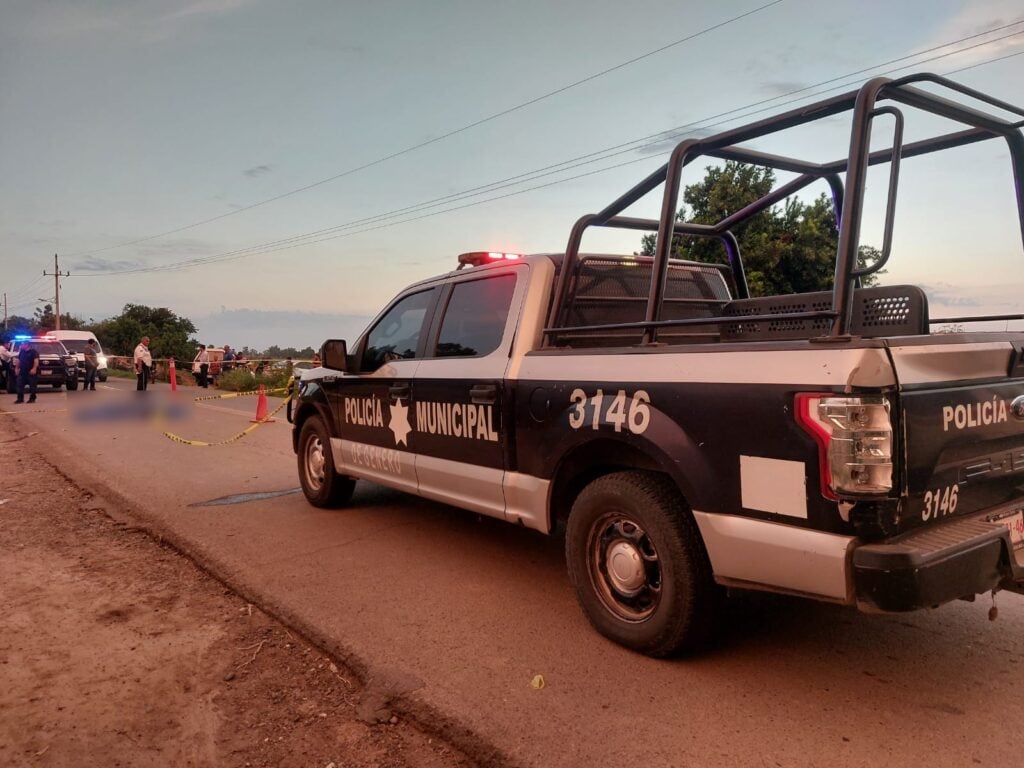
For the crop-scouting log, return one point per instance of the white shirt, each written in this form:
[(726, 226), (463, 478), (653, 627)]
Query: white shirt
[(6, 355), (142, 354), (203, 357)]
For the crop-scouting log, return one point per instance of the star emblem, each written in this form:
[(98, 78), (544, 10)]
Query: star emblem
[(400, 423)]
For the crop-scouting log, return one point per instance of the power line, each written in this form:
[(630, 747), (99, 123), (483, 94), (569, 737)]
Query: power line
[(437, 139), (631, 146), (27, 289), (608, 153)]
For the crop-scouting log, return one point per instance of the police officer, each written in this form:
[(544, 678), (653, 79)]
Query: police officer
[(92, 363), (28, 372)]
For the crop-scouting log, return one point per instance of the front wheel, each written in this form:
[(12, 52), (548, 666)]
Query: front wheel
[(639, 567), (72, 384), (102, 376), (321, 482)]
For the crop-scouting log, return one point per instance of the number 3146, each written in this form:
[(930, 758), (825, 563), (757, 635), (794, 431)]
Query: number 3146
[(940, 502), (611, 409)]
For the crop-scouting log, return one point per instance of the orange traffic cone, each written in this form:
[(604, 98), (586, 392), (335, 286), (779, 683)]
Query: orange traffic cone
[(172, 374), (261, 408)]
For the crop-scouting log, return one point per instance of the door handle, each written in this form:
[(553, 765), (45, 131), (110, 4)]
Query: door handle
[(483, 394), (401, 391)]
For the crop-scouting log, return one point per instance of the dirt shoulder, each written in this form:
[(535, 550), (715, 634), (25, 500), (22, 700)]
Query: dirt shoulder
[(117, 651)]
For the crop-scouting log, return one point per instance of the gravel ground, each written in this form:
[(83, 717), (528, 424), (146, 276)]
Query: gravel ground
[(118, 651)]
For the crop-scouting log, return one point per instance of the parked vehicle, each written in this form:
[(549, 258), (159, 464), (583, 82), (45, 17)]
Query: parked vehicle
[(75, 342), (57, 366), (689, 436)]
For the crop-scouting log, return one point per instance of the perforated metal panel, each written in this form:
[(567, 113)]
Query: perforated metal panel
[(891, 310)]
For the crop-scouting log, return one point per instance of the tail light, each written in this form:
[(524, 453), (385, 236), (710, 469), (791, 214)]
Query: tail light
[(854, 437)]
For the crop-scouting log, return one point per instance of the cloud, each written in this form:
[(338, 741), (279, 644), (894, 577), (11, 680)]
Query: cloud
[(206, 8), (260, 329), (257, 170), (974, 18), (98, 264), (777, 88), (666, 141), (993, 299), (139, 22)]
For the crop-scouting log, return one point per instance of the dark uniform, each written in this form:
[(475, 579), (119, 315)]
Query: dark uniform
[(28, 372)]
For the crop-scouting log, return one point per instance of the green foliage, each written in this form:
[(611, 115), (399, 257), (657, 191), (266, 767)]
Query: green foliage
[(44, 319), (169, 335), (786, 249), (16, 324), (280, 353), (243, 380)]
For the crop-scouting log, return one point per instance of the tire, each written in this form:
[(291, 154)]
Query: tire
[(662, 599), (321, 483), (102, 376), (72, 384)]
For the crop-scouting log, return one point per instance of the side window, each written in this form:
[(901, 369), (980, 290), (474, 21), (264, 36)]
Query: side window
[(475, 318), (397, 335)]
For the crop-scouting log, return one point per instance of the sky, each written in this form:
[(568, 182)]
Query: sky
[(145, 134)]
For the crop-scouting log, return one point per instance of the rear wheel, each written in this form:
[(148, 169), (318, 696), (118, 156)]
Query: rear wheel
[(101, 375), (639, 567), (321, 483)]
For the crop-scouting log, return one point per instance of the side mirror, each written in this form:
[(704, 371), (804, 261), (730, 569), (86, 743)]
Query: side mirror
[(334, 355)]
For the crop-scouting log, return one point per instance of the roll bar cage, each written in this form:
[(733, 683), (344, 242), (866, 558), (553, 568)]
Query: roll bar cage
[(848, 198)]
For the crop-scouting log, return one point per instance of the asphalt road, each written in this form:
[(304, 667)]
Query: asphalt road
[(460, 613)]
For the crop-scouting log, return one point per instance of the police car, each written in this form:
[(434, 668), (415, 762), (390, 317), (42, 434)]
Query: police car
[(689, 436), (57, 366)]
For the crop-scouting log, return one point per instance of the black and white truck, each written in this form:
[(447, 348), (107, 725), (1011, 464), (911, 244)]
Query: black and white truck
[(691, 437)]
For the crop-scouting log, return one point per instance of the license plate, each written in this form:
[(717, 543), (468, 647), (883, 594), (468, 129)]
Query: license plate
[(1014, 522), (45, 372)]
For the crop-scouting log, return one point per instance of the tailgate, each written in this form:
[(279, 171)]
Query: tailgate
[(962, 424)]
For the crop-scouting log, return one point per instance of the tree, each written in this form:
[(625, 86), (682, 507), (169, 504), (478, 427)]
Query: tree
[(280, 353), (16, 324), (169, 335), (786, 249), (44, 319)]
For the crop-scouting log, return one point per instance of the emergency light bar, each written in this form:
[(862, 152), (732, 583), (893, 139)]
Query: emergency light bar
[(479, 258)]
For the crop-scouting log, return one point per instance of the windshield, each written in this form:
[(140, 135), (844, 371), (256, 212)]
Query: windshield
[(49, 348), (79, 345)]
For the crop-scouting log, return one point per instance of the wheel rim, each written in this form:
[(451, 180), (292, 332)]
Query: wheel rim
[(315, 462), (624, 567)]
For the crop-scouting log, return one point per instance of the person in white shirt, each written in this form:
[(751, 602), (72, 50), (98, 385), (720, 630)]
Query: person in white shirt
[(7, 365), (203, 362), (143, 364)]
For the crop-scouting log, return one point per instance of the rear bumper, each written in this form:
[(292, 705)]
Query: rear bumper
[(936, 564)]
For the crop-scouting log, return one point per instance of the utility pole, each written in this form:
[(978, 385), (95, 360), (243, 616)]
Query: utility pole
[(57, 275), (5, 310)]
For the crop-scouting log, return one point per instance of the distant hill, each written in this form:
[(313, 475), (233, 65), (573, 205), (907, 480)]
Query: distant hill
[(260, 329)]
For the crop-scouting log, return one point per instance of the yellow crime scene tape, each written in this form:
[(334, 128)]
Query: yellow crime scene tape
[(239, 436), (253, 393), (33, 410)]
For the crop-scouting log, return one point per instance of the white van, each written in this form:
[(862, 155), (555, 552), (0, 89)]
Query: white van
[(75, 342)]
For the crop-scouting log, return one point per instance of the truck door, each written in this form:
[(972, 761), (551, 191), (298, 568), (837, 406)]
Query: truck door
[(460, 420), (373, 404)]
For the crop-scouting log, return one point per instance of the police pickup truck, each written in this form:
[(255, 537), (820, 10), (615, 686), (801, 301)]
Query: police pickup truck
[(689, 436)]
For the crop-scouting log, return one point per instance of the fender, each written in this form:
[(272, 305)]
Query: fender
[(662, 446), (312, 401)]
